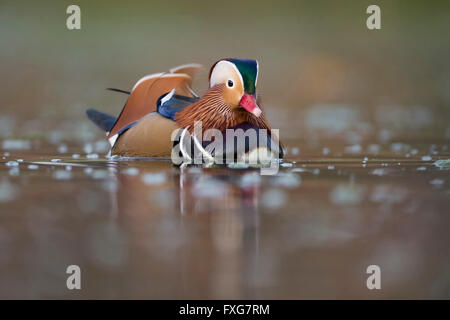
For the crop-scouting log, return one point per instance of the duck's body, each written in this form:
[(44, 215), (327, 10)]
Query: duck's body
[(161, 104)]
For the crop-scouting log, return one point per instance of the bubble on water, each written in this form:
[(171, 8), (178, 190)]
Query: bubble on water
[(316, 171), (330, 167), (286, 165), (426, 158), (287, 180), (274, 199), (7, 191), (378, 172), (299, 170), (12, 164), (62, 148), (207, 187), (346, 194), (76, 156), (62, 175), (131, 171), (16, 144), (356, 148), (421, 168), (437, 182), (92, 156), (442, 163), (33, 166), (154, 178), (325, 151)]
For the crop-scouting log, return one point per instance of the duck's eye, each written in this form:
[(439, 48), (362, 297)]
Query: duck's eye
[(230, 84)]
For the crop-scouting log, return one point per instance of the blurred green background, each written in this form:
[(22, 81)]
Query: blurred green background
[(311, 53)]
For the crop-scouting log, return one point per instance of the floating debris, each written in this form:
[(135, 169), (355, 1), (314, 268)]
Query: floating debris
[(16, 144), (62, 175), (154, 178), (12, 164), (286, 164), (443, 163), (92, 156), (238, 165)]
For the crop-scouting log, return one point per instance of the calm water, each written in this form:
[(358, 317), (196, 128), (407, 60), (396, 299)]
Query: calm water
[(146, 229)]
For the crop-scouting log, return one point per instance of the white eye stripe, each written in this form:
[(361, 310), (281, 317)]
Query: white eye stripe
[(222, 72)]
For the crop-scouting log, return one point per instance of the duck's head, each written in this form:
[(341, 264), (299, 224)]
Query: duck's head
[(238, 78)]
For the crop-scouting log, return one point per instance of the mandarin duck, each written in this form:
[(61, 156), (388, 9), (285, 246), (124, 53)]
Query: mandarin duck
[(163, 103)]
